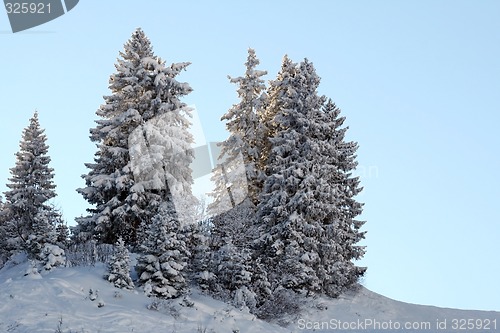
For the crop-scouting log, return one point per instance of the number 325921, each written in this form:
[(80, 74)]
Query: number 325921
[(27, 7)]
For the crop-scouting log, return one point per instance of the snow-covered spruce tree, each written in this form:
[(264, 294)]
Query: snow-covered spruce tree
[(291, 229), (197, 237), (165, 255), (339, 247), (234, 226), (274, 103), (28, 218), (62, 234), (233, 267), (240, 153), (231, 255), (238, 183), (303, 245), (118, 271), (143, 146), (43, 231), (197, 241)]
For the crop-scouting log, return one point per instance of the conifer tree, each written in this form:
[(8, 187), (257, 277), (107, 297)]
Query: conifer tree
[(274, 103), (307, 206), (291, 231), (62, 234), (240, 153), (161, 267), (143, 146), (231, 254), (200, 261), (119, 267), (233, 270), (339, 247), (28, 218), (238, 183)]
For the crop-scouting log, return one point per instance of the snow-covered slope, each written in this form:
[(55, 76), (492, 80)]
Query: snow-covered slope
[(59, 301)]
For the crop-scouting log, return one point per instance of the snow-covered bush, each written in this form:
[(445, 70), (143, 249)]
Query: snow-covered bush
[(32, 270), (282, 303), (161, 275), (245, 298), (52, 256), (233, 267)]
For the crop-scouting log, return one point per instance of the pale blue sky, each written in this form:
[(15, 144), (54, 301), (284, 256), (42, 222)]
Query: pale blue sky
[(417, 80)]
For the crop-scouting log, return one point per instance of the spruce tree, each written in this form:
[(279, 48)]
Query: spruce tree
[(274, 103), (291, 229), (234, 271), (143, 146), (240, 153), (200, 260), (119, 267), (339, 248), (238, 183), (231, 254), (165, 255), (307, 206), (62, 234), (28, 218)]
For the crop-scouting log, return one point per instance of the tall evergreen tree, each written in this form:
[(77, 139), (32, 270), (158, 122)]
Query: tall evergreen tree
[(29, 219), (291, 230), (238, 183), (240, 153), (338, 249), (143, 146), (307, 206), (275, 93)]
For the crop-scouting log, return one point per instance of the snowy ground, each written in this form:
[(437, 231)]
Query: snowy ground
[(38, 303)]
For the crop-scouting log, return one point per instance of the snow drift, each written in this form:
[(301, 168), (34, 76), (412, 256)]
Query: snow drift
[(79, 299)]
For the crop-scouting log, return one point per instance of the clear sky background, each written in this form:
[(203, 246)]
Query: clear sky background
[(419, 83)]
